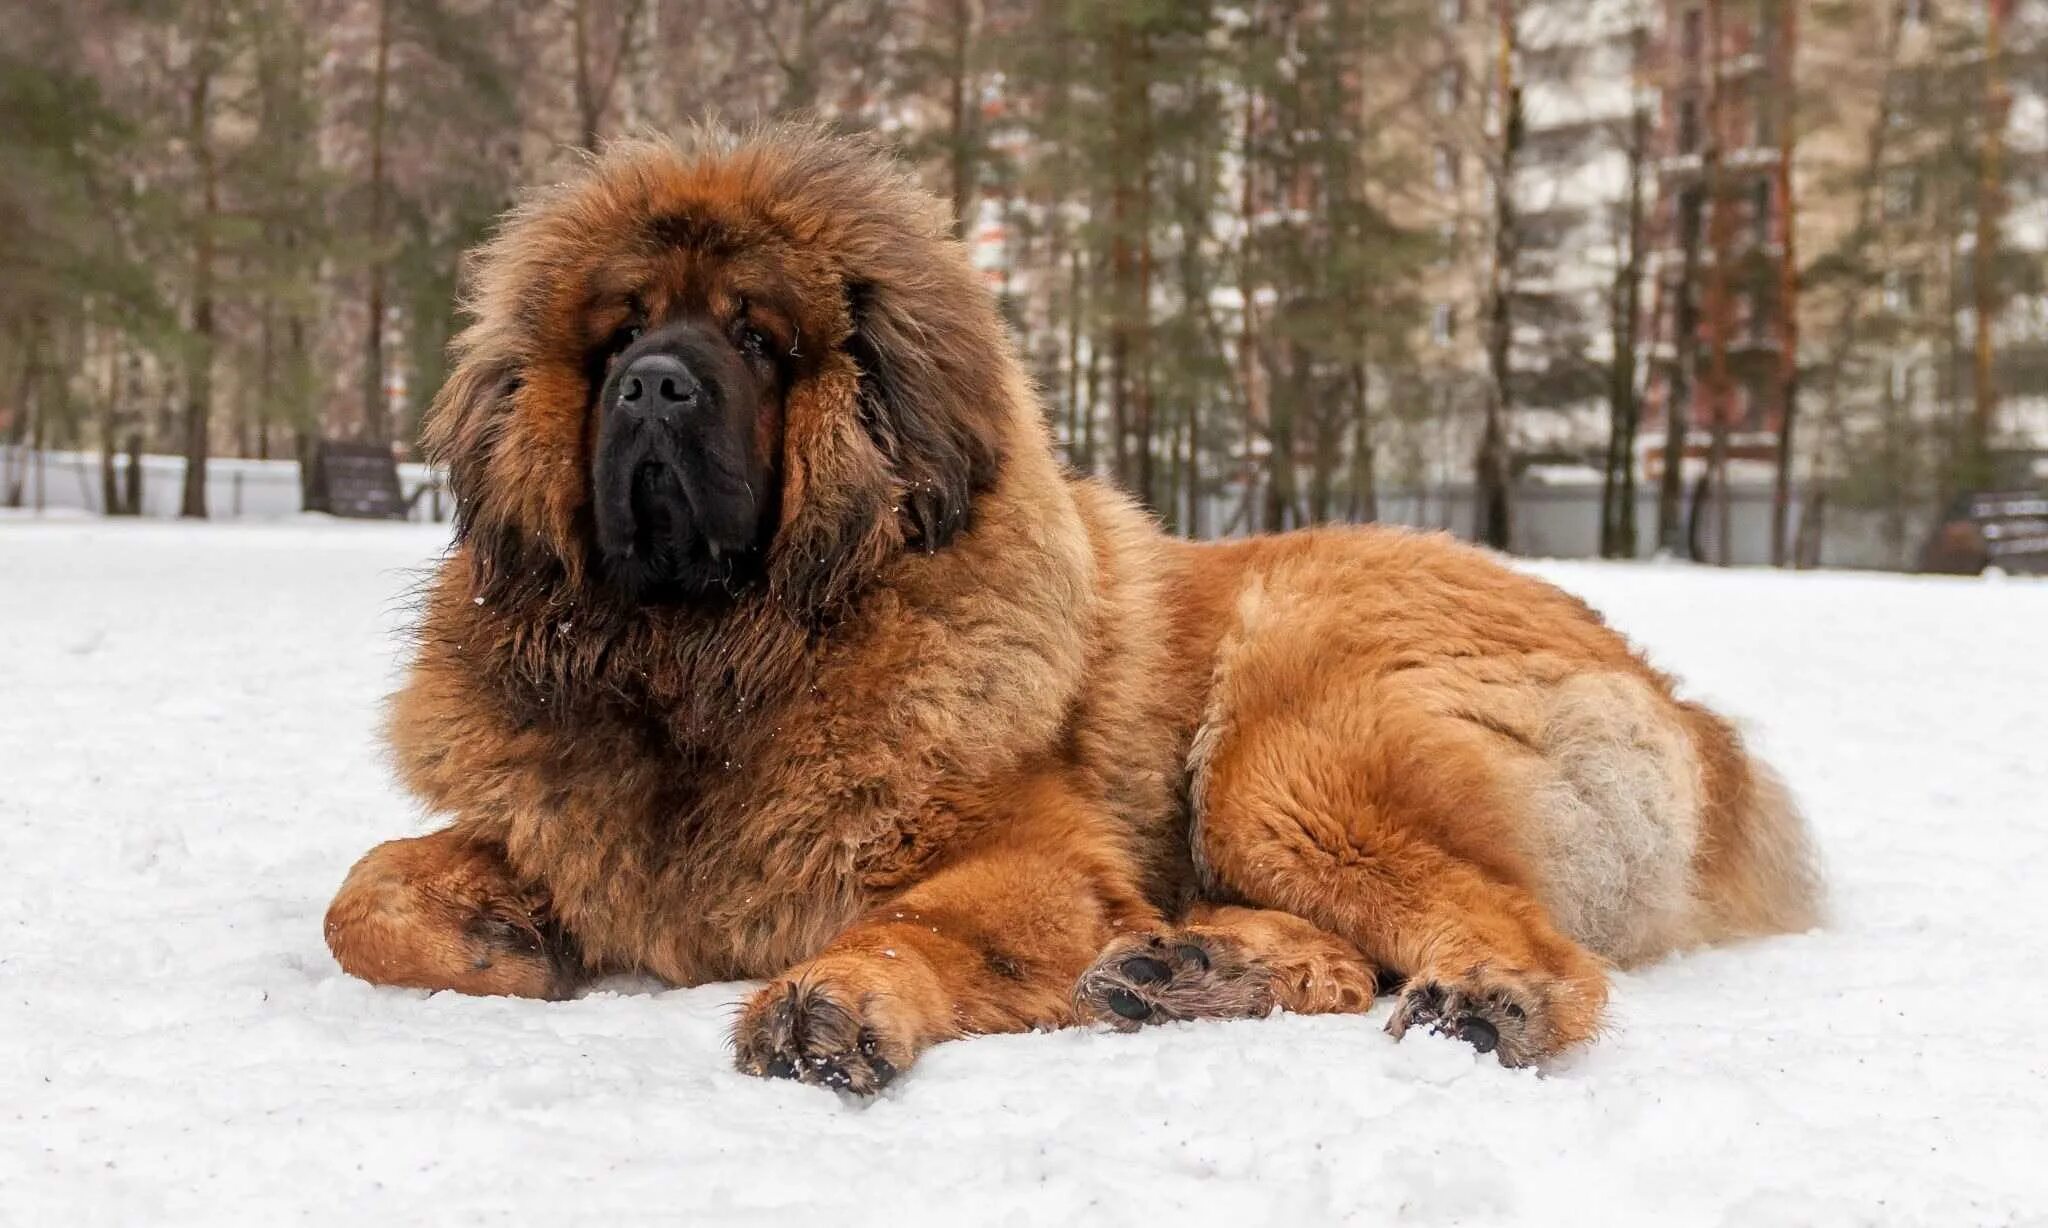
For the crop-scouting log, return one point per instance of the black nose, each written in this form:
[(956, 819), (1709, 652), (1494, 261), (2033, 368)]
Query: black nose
[(658, 386)]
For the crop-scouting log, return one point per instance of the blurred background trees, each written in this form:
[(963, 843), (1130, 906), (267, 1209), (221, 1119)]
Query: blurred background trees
[(1719, 269)]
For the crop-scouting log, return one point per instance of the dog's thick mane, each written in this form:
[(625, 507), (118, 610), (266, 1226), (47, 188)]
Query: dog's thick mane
[(686, 680)]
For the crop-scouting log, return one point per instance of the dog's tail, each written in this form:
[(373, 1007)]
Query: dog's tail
[(1757, 872)]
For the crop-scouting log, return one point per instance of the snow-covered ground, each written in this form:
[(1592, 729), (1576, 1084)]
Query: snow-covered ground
[(187, 766)]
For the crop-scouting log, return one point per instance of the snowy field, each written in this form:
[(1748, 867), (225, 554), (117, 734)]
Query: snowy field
[(187, 767)]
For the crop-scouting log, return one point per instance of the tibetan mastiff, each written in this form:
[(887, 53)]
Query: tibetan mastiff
[(776, 644)]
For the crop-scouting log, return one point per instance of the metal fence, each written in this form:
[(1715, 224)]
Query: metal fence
[(1551, 520), (235, 488), (1563, 522)]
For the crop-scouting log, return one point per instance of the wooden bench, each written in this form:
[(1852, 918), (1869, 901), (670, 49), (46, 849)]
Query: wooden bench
[(2006, 529)]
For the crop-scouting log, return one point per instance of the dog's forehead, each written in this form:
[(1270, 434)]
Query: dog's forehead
[(703, 260)]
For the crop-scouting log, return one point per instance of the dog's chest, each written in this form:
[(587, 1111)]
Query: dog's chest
[(727, 885)]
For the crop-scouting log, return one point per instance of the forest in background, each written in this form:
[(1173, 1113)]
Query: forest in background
[(1267, 259)]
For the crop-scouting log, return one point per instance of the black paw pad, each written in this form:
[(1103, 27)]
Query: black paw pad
[(1144, 970), (1127, 1004), (1478, 1033), (882, 1068)]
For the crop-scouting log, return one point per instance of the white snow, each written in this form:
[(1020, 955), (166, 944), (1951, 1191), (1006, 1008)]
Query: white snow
[(188, 765)]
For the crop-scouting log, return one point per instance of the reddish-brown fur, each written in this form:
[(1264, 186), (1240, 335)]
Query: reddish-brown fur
[(981, 736)]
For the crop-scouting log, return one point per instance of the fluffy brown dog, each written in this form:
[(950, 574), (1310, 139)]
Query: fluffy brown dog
[(776, 645)]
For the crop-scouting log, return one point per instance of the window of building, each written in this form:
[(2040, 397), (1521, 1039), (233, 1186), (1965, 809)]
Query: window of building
[(1902, 378), (1443, 324), (1688, 125), (1450, 88), (1692, 34), (1446, 169), (1692, 215), (1901, 194), (1760, 212), (1915, 12), (1767, 24), (1450, 12), (1901, 291)]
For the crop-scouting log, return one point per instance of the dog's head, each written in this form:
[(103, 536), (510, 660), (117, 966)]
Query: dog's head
[(735, 364)]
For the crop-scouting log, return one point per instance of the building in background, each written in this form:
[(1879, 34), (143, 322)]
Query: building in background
[(1582, 86), (1718, 342), (1876, 188)]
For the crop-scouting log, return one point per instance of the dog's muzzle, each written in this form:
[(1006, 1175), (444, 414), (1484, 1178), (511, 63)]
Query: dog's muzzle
[(674, 508)]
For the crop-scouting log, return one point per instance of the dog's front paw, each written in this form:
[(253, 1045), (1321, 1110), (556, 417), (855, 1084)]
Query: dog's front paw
[(824, 1030)]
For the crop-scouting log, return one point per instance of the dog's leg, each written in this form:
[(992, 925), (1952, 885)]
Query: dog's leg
[(1225, 963), (991, 943), (443, 912), (1480, 958)]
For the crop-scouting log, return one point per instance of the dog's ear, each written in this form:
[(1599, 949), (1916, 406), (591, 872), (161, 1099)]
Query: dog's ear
[(462, 427), (461, 433), (930, 401)]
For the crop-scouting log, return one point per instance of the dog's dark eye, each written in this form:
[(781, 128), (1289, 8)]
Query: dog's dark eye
[(753, 342), (620, 340)]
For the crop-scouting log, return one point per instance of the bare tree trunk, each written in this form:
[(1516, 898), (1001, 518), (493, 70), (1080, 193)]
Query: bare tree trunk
[(587, 108), (1251, 369), (266, 380), (1685, 330), (1695, 524), (303, 445), (38, 437), (1131, 264), (795, 51), (31, 408), (131, 493), (1891, 471), (1329, 444), (1077, 449), (595, 82), (1788, 281), (199, 377), (1094, 408), (375, 412), (1813, 514), (1843, 334), (1494, 516), (1618, 484), (1365, 502), (1720, 308), (1122, 260), (1990, 207), (1142, 399), (960, 149), (110, 487), (1192, 291), (1281, 494)]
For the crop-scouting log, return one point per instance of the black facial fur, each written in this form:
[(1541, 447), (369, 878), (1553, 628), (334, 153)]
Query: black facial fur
[(682, 487)]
